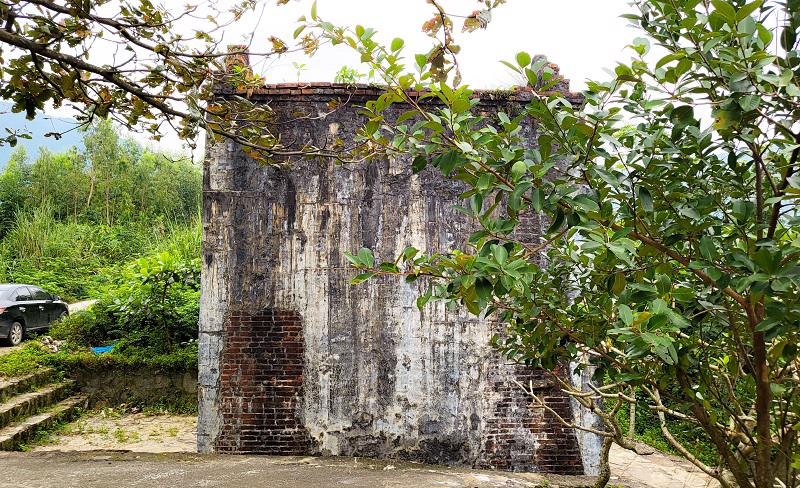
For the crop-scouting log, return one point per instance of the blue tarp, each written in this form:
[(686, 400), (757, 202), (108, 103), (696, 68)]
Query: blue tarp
[(103, 349)]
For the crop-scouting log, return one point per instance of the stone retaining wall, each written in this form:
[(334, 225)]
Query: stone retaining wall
[(118, 386)]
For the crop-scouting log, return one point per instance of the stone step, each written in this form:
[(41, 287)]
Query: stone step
[(28, 404), (12, 436), (10, 387)]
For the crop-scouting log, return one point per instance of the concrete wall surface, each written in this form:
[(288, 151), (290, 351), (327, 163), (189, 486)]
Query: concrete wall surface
[(295, 360)]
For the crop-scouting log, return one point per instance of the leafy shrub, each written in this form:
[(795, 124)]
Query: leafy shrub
[(33, 355), (80, 329), (156, 303)]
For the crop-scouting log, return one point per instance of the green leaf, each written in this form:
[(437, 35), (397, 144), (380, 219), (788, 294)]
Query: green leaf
[(314, 10), (558, 221), (641, 45), (767, 324), (422, 300), (465, 146), (586, 204), (447, 162), (461, 105), (749, 102), (397, 44), (748, 9), (626, 314), (366, 258), (500, 254), (645, 199), (523, 59), (510, 66), (669, 58), (361, 278), (708, 249), (659, 307), (619, 284), (518, 169), (410, 252), (484, 288), (419, 164), (725, 9), (537, 199)]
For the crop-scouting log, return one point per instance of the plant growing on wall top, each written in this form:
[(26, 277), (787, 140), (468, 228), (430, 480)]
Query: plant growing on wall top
[(671, 259)]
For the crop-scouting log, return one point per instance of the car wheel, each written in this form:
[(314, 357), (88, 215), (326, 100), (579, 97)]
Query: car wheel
[(63, 316), (15, 334)]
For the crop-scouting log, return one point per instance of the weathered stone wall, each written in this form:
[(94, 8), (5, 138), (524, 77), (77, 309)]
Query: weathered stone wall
[(149, 386), (295, 360)]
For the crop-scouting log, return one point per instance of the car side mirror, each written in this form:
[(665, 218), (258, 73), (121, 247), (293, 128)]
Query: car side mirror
[(56, 298)]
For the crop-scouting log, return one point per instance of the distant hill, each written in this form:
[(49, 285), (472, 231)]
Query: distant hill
[(37, 129)]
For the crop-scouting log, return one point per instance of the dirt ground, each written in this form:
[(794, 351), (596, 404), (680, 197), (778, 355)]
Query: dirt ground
[(112, 449), (110, 430)]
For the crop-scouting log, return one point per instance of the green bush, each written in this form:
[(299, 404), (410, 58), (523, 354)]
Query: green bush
[(33, 355), (155, 304), (80, 329), (150, 313)]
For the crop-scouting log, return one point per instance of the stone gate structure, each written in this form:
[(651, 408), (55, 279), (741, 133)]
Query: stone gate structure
[(295, 360)]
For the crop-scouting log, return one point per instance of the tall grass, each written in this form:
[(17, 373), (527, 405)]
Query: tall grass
[(81, 260), (33, 234), (181, 239)]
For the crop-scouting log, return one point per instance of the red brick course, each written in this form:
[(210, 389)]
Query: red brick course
[(262, 384)]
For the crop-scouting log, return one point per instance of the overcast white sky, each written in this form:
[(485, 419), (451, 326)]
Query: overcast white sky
[(582, 36)]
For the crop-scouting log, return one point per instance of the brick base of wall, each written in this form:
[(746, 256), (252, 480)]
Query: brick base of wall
[(522, 438), (262, 384)]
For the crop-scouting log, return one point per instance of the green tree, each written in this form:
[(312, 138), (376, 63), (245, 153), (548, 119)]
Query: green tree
[(58, 178), (13, 182), (671, 260)]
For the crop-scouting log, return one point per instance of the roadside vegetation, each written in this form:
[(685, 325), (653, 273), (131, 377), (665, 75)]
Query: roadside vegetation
[(113, 222)]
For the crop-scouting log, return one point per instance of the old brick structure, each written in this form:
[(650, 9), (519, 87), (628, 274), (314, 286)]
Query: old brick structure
[(295, 360)]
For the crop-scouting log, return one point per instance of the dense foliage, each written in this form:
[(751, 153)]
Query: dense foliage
[(153, 305), (68, 220), (671, 261), (112, 222), (149, 312)]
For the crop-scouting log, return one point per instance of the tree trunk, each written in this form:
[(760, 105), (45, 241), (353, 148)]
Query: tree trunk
[(605, 467), (632, 420), (763, 465)]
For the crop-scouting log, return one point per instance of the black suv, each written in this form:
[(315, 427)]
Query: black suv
[(25, 308)]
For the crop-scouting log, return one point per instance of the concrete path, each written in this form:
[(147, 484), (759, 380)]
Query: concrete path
[(656, 470), (5, 349), (79, 306), (110, 430), (103, 469), (122, 469)]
